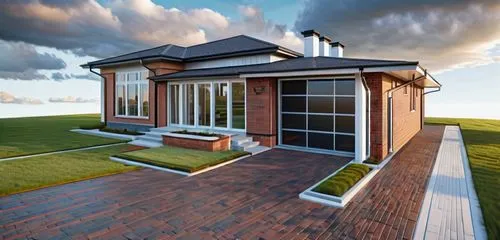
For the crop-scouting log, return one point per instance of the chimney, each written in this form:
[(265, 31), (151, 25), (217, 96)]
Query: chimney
[(311, 43), (337, 49), (324, 46)]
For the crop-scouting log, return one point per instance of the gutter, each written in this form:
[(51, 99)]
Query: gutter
[(368, 113), (103, 101), (390, 112), (156, 90)]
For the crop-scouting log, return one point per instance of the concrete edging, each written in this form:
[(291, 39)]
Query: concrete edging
[(96, 132), (133, 163)]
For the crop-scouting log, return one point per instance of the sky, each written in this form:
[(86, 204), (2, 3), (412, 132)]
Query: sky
[(43, 42)]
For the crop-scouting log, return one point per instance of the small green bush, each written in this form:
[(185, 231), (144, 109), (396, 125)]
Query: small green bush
[(341, 182), (120, 131)]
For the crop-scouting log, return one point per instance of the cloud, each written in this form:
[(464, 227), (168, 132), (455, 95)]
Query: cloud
[(442, 34), (6, 97), (58, 76), (21, 61), (71, 99), (119, 26)]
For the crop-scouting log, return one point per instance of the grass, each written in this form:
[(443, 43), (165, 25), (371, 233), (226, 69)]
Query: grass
[(187, 160), (482, 141), (38, 172), (25, 136), (343, 180)]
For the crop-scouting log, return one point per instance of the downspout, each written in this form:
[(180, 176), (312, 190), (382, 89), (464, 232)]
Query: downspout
[(390, 110), (103, 101), (156, 91), (368, 114)]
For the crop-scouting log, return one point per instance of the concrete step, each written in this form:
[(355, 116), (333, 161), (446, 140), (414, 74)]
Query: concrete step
[(150, 138), (143, 143), (257, 149), (154, 134), (238, 140), (245, 146)]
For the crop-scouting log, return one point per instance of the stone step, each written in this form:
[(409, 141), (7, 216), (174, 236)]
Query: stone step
[(245, 146), (257, 149), (150, 138), (143, 143), (238, 140)]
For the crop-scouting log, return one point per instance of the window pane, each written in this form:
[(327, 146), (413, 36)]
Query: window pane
[(344, 143), (132, 77), (294, 138), (344, 87), (344, 124), (293, 87), (174, 104), (320, 140), (132, 99), (293, 121), (320, 123), (344, 105), (238, 105), (120, 99), (293, 104), (320, 104), (121, 78), (220, 104), (320, 87), (145, 99), (204, 104), (188, 104)]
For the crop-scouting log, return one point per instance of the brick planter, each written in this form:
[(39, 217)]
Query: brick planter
[(213, 144)]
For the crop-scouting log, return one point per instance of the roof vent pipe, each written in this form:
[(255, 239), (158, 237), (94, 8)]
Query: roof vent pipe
[(311, 43), (324, 46), (337, 49)]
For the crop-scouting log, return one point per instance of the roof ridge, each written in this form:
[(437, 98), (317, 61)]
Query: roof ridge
[(166, 49), (218, 40), (368, 59)]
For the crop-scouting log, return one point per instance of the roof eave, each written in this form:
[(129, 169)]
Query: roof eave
[(134, 60)]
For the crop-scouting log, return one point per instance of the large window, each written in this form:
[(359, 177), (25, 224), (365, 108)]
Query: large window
[(208, 104), (318, 113), (132, 94)]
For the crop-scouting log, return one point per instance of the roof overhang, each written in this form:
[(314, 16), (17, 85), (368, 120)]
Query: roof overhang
[(131, 61), (405, 72)]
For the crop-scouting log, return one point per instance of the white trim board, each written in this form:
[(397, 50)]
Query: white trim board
[(133, 163)]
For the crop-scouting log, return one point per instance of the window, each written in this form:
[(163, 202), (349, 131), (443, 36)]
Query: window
[(132, 94), (174, 104), (413, 100)]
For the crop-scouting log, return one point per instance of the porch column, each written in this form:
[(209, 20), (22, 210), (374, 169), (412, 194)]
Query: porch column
[(360, 141), (103, 100)]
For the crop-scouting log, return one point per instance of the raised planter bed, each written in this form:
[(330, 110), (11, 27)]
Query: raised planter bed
[(199, 141), (313, 193)]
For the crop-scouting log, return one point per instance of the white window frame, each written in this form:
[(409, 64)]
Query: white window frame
[(212, 104), (334, 114), (142, 80)]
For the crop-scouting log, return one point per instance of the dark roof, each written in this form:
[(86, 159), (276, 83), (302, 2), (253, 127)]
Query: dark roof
[(233, 46), (294, 64)]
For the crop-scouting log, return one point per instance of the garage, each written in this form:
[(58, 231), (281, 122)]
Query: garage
[(317, 114)]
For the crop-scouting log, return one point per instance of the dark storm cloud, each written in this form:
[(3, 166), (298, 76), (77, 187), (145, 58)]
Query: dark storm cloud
[(442, 34)]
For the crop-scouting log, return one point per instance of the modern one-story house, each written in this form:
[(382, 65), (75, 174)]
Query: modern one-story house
[(317, 101)]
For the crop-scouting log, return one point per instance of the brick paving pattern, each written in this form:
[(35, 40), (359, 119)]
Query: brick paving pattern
[(250, 199)]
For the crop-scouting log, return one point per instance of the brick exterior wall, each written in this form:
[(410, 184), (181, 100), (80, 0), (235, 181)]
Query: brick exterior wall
[(222, 144), (161, 68), (262, 121), (406, 123)]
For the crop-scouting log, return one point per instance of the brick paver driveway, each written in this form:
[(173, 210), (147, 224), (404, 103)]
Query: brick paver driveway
[(253, 198)]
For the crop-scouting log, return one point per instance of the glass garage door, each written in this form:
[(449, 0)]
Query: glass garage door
[(318, 114)]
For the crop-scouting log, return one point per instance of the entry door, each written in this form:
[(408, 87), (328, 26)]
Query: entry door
[(318, 114)]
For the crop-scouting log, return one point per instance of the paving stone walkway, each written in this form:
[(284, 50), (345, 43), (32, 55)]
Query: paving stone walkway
[(447, 211), (253, 198)]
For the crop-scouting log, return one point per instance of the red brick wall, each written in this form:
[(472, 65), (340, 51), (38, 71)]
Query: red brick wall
[(222, 144), (405, 123), (161, 68), (262, 110)]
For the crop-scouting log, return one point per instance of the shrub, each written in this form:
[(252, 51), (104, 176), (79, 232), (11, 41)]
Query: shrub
[(121, 131), (341, 182)]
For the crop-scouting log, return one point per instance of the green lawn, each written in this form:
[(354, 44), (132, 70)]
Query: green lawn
[(24, 136), (182, 159), (343, 180), (482, 140), (37, 172)]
